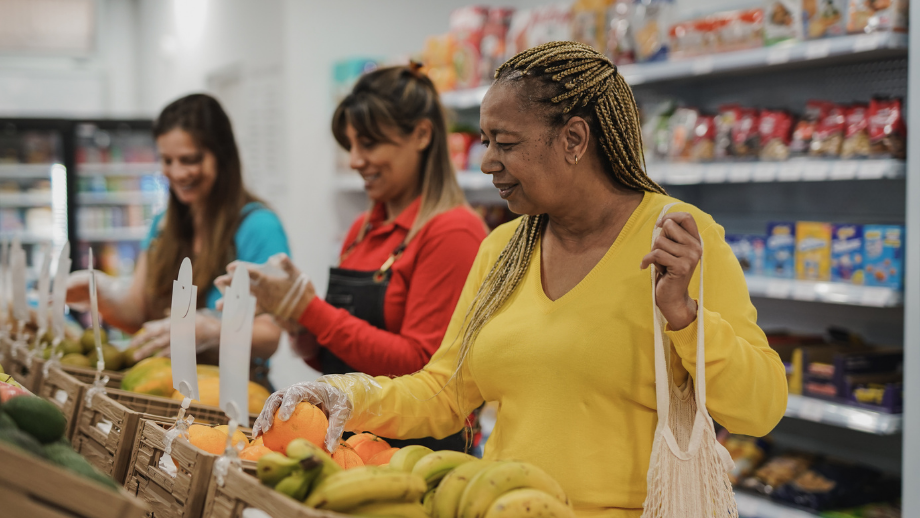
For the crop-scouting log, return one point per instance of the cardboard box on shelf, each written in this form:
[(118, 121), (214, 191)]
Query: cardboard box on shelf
[(884, 255), (813, 251), (847, 254), (780, 251)]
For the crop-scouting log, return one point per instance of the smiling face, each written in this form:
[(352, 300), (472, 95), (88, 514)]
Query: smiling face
[(524, 155), (391, 169), (190, 169)]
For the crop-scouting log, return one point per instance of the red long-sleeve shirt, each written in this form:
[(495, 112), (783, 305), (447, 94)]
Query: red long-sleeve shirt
[(424, 287)]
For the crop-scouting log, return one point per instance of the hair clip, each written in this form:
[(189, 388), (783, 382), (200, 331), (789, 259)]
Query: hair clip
[(415, 67)]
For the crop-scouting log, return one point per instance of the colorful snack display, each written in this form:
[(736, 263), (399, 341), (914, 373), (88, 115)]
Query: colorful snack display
[(750, 251), (745, 134), (856, 134), (877, 16), (651, 19), (828, 485), (738, 30), (620, 40), (775, 130), (548, 23), (589, 18), (747, 453), (725, 121), (466, 30), (703, 141), (778, 471), (884, 255), (681, 126), (782, 21), (828, 136), (780, 251), (805, 128), (813, 251), (516, 39), (458, 145), (823, 18), (887, 133), (492, 50), (847, 254)]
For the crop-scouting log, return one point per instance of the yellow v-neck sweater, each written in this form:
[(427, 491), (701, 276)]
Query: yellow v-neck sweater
[(575, 378)]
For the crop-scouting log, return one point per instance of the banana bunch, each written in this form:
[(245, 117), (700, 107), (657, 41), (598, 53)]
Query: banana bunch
[(371, 491), (299, 472)]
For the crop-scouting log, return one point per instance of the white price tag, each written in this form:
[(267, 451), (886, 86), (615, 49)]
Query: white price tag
[(811, 410), (790, 171), (715, 173), (804, 291), (874, 169), (844, 170), (4, 279), (778, 289), (779, 55), (182, 332), (18, 279), (236, 346), (44, 284), (817, 49), (741, 172), (703, 65), (817, 171), (765, 172), (866, 42), (59, 291), (876, 297)]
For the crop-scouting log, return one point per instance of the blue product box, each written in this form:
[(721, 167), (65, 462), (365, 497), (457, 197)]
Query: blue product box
[(883, 247), (750, 251), (779, 258), (847, 260)]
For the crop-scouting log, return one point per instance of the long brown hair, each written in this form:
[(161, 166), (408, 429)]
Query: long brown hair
[(398, 98), (202, 117)]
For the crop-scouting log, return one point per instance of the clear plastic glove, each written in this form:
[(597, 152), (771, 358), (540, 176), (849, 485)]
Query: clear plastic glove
[(153, 338), (279, 287), (78, 289), (335, 394)]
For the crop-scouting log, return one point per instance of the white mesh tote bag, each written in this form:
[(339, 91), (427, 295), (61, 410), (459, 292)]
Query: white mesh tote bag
[(688, 470)]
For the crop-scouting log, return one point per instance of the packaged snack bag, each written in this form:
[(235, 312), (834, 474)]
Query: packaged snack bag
[(877, 16), (828, 136), (703, 140), (437, 57), (778, 471), (588, 22), (651, 19), (458, 145), (805, 128), (887, 133), (687, 39), (466, 29), (780, 252), (518, 30), (551, 22), (782, 21), (775, 134), (682, 124), (824, 18), (856, 135), (725, 121), (620, 40), (830, 485), (750, 251), (884, 255), (747, 453), (813, 251), (492, 51), (738, 30), (656, 131), (847, 254), (745, 134)]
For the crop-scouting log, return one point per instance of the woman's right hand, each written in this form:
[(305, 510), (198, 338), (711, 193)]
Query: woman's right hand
[(78, 288), (331, 400), (279, 287)]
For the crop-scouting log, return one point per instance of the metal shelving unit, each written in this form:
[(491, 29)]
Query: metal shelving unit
[(119, 169), (829, 292), (843, 416), (754, 506), (115, 234), (121, 198)]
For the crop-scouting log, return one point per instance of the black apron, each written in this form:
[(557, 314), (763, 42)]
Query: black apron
[(362, 294)]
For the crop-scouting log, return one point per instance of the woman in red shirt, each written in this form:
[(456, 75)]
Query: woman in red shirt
[(404, 261)]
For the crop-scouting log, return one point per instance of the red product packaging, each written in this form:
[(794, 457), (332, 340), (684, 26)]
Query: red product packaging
[(856, 133), (828, 136), (467, 25), (745, 133), (703, 142), (887, 133), (775, 130), (458, 145), (492, 50), (725, 123), (806, 126)]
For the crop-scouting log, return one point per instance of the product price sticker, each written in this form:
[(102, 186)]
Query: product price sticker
[(817, 170), (740, 173), (811, 410), (844, 170)]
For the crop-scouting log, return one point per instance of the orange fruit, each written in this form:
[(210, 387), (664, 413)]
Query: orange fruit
[(346, 457), (238, 436), (366, 445), (307, 422), (208, 439), (257, 440), (254, 452), (381, 458)]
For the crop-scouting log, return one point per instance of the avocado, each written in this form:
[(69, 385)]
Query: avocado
[(37, 417), (64, 456), (76, 360), (88, 340), (22, 441), (68, 346), (7, 423), (128, 356), (110, 354)]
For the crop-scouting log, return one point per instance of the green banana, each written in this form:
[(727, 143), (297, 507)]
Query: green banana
[(485, 488), (447, 496), (390, 510), (428, 501), (273, 467), (295, 485), (302, 449), (358, 486), (528, 503), (406, 457), (435, 466)]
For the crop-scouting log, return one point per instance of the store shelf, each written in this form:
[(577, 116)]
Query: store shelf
[(753, 506), (830, 292), (844, 416), (120, 198), (114, 234), (18, 171), (115, 169), (25, 199), (468, 180), (26, 238), (464, 99), (795, 170)]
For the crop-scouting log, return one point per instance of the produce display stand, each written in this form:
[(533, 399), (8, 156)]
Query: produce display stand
[(6, 351), (242, 491), (37, 489), (105, 434), (24, 367), (65, 385)]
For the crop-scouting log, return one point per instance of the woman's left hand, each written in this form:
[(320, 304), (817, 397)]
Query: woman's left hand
[(675, 254), (279, 287), (153, 338)]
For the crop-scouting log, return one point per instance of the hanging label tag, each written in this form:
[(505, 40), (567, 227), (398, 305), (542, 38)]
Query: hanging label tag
[(182, 332), (4, 280), (236, 347), (94, 314), (44, 285), (18, 279), (59, 292)]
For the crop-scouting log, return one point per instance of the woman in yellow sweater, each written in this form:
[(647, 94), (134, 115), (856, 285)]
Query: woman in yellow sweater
[(554, 322)]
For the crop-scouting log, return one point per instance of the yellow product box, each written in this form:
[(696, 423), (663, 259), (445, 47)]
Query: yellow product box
[(813, 251)]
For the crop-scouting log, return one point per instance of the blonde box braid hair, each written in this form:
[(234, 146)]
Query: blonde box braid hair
[(583, 83)]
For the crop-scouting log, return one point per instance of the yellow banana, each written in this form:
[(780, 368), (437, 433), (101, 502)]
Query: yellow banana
[(447, 496), (435, 466), (406, 457), (302, 449), (428, 501), (528, 503), (500, 478), (272, 467), (358, 486), (295, 485), (390, 510)]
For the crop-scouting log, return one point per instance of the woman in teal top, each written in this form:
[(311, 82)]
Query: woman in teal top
[(212, 219)]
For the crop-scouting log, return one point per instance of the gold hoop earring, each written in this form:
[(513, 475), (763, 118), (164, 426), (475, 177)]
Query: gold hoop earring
[(576, 159)]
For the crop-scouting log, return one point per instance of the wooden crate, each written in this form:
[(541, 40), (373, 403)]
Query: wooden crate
[(243, 491), (38, 489), (25, 368), (110, 451), (65, 385), (6, 350)]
